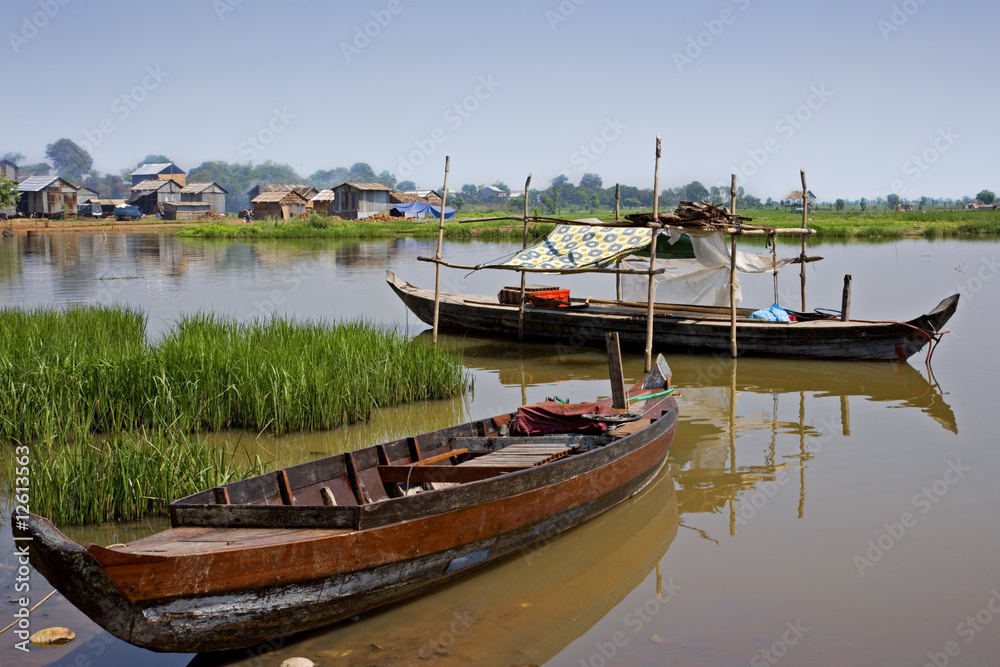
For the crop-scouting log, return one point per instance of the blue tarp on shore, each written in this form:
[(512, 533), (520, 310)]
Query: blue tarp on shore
[(416, 207)]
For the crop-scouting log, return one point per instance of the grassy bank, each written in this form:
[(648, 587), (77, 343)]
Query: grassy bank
[(828, 223), (105, 412), (318, 226)]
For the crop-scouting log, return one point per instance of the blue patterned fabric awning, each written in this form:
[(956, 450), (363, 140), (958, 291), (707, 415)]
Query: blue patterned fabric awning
[(576, 246)]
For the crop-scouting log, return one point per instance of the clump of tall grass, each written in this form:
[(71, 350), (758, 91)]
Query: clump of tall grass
[(125, 477), (65, 376)]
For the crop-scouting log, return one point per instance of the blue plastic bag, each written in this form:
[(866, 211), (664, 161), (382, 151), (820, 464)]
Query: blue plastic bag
[(773, 314)]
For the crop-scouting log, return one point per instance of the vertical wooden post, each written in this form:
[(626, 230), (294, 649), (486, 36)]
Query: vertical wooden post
[(732, 196), (618, 264), (652, 258), (524, 244), (845, 302), (805, 209), (437, 265), (615, 370), (732, 297)]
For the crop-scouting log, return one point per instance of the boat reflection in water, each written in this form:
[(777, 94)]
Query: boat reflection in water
[(522, 611)]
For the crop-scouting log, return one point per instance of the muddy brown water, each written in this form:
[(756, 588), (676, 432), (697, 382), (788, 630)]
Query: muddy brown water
[(813, 513)]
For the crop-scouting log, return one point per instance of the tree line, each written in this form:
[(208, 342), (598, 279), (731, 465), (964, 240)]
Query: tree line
[(67, 159)]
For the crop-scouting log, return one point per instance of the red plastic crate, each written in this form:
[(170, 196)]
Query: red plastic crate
[(550, 298)]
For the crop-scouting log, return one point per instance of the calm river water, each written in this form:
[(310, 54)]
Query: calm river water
[(813, 513)]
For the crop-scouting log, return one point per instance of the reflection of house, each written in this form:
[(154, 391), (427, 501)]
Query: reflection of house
[(9, 170), (282, 205), (212, 194), (794, 198), (323, 202), (163, 171), (355, 201), (151, 194), (185, 210), (46, 196)]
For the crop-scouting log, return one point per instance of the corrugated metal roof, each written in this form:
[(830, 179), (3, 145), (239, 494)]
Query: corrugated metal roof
[(324, 195), (276, 196), (39, 183), (367, 186), (150, 185), (187, 204), (198, 188), (108, 202), (153, 169)]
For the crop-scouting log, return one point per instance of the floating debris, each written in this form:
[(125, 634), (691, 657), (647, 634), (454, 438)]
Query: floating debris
[(52, 637)]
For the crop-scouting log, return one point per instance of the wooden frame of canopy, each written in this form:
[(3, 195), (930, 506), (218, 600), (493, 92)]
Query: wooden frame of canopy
[(693, 215)]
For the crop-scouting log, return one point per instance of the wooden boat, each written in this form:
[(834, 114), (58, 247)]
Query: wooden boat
[(680, 328), (315, 543)]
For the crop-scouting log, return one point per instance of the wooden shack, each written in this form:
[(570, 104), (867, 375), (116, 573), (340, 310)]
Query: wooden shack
[(151, 194), (46, 196), (323, 202), (284, 205), (355, 201), (212, 194), (185, 210), (9, 170), (163, 171)]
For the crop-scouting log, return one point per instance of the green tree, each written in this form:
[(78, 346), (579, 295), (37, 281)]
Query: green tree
[(154, 159), (9, 196), (923, 202), (500, 185), (361, 172), (329, 178), (864, 204), (386, 179), (591, 182), (695, 191), (404, 186), (36, 169), (839, 204), (69, 159), (892, 200), (986, 197), (16, 158), (470, 190)]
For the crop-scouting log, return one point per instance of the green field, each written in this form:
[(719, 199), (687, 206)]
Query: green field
[(828, 223)]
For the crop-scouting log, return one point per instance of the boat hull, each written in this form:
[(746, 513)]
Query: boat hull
[(819, 339), (308, 578)]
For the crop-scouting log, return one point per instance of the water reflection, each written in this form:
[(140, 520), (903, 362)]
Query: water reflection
[(523, 611)]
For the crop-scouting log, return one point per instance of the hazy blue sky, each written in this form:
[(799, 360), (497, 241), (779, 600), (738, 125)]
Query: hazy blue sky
[(868, 96)]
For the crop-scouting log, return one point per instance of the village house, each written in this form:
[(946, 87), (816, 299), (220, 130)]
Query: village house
[(212, 194), (284, 205), (163, 171), (322, 203), (185, 210), (355, 201), (151, 194), (307, 191), (429, 197), (794, 198), (46, 196), (9, 170)]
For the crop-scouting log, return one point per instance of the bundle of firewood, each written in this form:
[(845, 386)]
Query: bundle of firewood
[(690, 212)]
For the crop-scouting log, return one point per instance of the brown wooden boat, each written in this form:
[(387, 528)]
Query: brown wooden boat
[(315, 543), (682, 328)]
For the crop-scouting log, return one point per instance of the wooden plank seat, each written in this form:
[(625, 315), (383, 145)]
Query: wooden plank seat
[(512, 458)]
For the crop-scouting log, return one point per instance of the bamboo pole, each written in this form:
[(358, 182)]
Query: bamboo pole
[(732, 274), (652, 259), (531, 269), (845, 302), (732, 298), (437, 266), (618, 205), (524, 245), (805, 207)]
